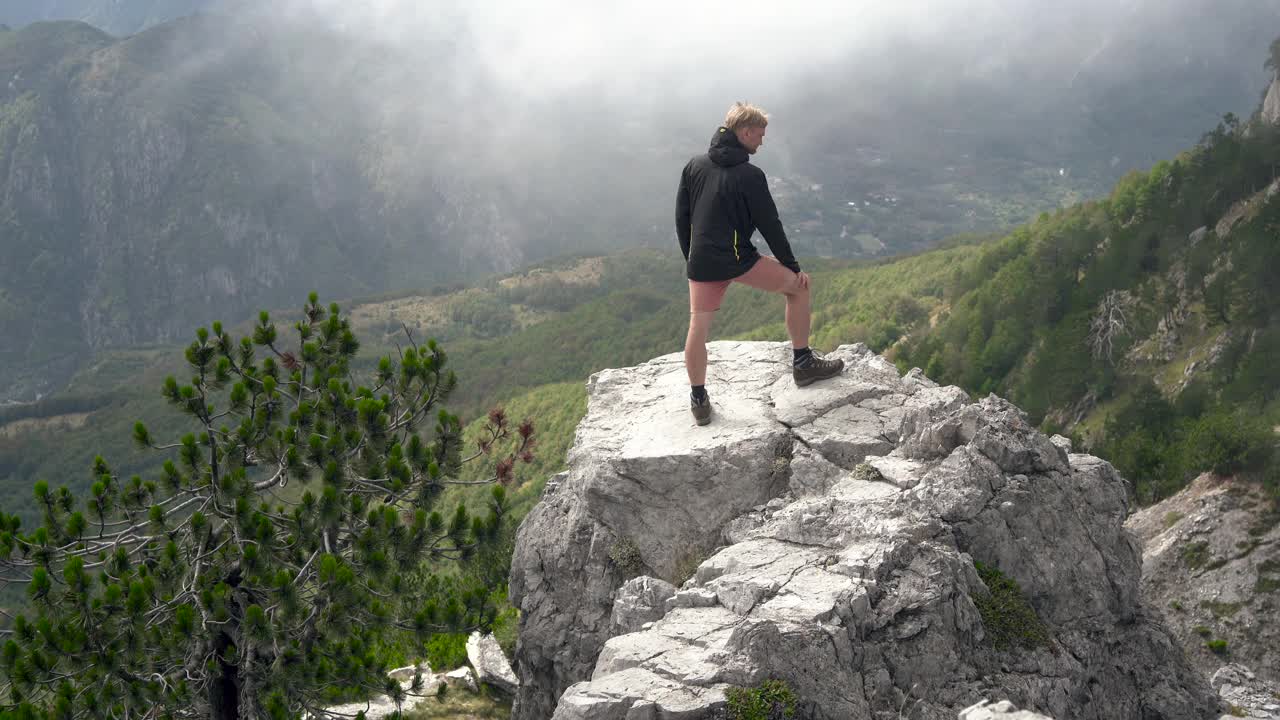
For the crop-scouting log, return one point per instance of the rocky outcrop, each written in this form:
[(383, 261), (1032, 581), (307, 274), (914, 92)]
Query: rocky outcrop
[(1211, 566), (1245, 694), (1271, 104), (1003, 710), (828, 536), (491, 666)]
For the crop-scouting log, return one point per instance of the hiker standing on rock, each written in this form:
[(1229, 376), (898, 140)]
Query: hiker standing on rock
[(722, 200)]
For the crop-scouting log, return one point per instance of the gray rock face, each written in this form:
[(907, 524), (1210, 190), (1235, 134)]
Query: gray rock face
[(1003, 710), (1211, 567), (1271, 105), (491, 666), (1245, 694), (640, 601), (834, 531)]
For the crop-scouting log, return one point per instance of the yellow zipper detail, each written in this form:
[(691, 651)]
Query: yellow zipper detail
[(735, 246)]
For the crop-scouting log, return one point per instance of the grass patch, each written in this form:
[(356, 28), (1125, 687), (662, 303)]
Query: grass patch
[(1217, 647), (1202, 631), (1009, 619), (1176, 605), (1221, 610), (1268, 576), (1267, 520), (1171, 518), (686, 565), (1196, 555), (1247, 546), (505, 630), (770, 700)]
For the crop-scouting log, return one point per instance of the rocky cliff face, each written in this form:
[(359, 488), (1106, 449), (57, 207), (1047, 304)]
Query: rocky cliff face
[(1211, 566), (828, 536), (1271, 104)]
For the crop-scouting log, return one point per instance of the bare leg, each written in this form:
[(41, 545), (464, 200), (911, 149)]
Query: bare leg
[(798, 314), (695, 346), (769, 275)]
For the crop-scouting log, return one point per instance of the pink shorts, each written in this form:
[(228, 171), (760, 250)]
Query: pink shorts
[(767, 274)]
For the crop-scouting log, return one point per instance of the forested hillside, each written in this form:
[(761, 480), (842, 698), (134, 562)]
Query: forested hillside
[(1145, 322)]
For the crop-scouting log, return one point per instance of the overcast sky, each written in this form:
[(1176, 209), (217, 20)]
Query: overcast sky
[(550, 46)]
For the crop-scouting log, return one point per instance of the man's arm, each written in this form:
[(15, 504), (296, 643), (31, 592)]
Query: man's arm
[(684, 214), (764, 214)]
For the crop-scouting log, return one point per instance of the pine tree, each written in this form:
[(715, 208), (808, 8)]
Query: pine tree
[(278, 549)]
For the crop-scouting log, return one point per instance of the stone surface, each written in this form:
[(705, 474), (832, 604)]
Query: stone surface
[(1003, 710), (461, 677), (1211, 567), (1271, 104), (489, 662), (640, 600), (1245, 694), (831, 534)]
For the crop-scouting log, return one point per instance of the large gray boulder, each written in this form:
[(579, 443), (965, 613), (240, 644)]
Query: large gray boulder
[(491, 666), (827, 536)]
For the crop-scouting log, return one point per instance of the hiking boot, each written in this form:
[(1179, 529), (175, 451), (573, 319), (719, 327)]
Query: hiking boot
[(701, 409), (816, 368)]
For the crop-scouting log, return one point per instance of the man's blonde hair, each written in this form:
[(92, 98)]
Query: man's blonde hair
[(745, 115)]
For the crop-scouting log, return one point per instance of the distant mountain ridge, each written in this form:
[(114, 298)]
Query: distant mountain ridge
[(117, 17)]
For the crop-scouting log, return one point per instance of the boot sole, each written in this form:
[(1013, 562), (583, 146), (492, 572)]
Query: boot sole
[(703, 421)]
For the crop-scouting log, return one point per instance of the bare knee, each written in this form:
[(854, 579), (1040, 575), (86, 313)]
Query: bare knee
[(700, 324), (795, 289)]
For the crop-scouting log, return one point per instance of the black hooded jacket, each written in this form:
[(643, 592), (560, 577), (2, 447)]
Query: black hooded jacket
[(722, 200)]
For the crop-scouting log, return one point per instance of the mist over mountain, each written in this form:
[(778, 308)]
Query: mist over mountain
[(208, 166), (117, 17)]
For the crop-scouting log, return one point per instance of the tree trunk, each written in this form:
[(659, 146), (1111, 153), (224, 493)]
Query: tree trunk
[(224, 692)]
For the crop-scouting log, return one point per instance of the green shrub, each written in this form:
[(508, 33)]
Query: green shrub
[(1009, 619), (1196, 555), (770, 700), (626, 555), (506, 627), (1202, 631), (1221, 610), (867, 472), (1217, 647), (1229, 444), (446, 651)]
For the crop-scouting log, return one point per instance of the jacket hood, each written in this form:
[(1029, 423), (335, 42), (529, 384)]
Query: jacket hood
[(725, 150)]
